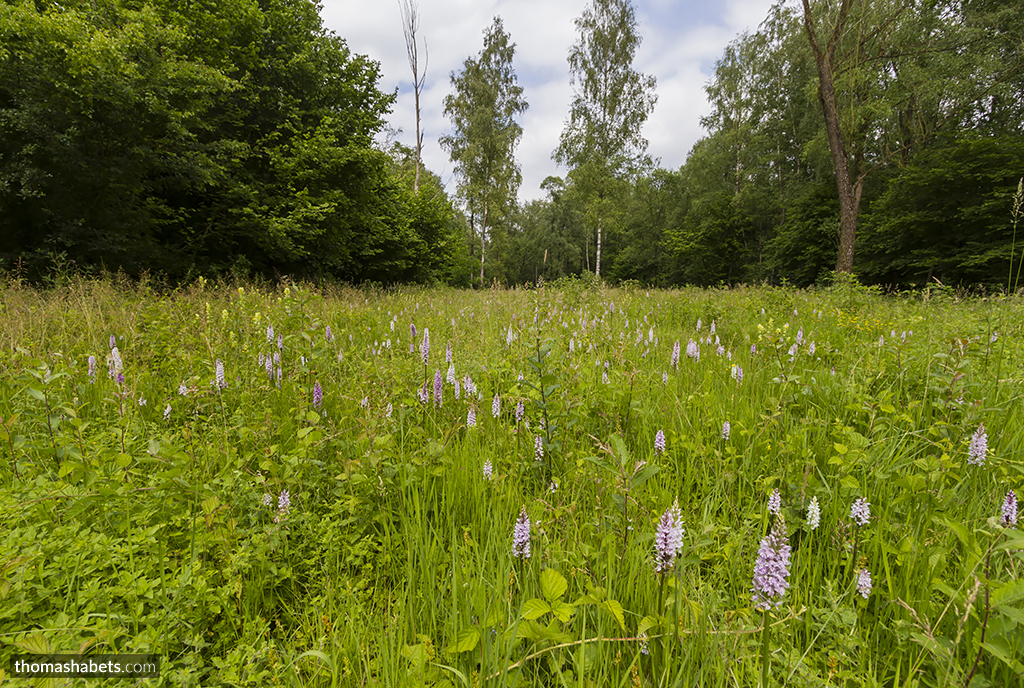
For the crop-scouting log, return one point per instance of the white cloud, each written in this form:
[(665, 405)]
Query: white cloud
[(681, 42)]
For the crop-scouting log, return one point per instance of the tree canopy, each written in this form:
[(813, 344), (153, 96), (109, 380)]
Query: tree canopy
[(179, 137)]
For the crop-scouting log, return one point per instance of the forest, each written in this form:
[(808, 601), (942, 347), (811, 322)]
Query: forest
[(176, 139)]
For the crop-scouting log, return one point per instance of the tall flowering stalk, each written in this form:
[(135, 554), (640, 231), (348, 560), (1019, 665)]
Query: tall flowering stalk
[(979, 447), (318, 395), (813, 514), (668, 539), (425, 346), (521, 536), (1009, 510), (659, 442), (770, 582)]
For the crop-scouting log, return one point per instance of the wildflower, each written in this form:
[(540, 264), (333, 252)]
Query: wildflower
[(753, 349), (1010, 510), (114, 365), (520, 411), (183, 389), (510, 336), (604, 377), (469, 386), (675, 355), (270, 334), (390, 409), (425, 345), (864, 583), (438, 382), (92, 369), (471, 418), (538, 448), (458, 389), (737, 373), (142, 401), (775, 502), (284, 503), (725, 430), (521, 536), (167, 412), (280, 342), (329, 334), (811, 348), (219, 370), (659, 442), (698, 324), (412, 330), (800, 336), (712, 327), (668, 539), (268, 499), (496, 406), (692, 350), (448, 353), (861, 511), (424, 393), (813, 514), (113, 342), (318, 395), (771, 571), (488, 470), (979, 447), (793, 350)]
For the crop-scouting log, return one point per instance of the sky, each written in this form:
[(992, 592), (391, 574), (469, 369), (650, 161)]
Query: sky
[(682, 40)]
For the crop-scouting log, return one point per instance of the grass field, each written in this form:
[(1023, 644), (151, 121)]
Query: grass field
[(278, 487)]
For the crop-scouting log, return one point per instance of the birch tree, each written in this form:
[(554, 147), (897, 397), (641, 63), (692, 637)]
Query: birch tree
[(483, 107), (601, 143)]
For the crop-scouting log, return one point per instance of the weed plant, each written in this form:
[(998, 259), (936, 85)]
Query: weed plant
[(289, 487)]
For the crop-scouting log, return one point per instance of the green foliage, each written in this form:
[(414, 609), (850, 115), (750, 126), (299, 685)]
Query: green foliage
[(149, 514), (947, 215), (202, 139), (483, 109)]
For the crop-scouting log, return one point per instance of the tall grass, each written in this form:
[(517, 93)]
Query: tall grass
[(144, 516)]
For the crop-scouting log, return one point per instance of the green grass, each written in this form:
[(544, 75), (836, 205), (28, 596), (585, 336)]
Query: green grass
[(125, 531)]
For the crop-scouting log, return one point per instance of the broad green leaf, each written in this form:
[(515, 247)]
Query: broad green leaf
[(535, 608), (563, 611), (614, 607), (646, 624), (465, 640), (552, 584)]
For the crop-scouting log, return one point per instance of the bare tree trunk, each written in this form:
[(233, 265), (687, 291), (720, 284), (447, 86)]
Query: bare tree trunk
[(410, 24), (849, 190), (483, 236), (597, 269)]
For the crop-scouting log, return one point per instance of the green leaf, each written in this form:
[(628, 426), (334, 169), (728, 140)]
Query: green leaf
[(840, 448), (849, 482), (563, 611), (535, 608), (552, 584), (646, 624), (465, 640), (614, 607)]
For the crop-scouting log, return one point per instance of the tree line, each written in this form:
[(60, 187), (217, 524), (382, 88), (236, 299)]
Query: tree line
[(182, 137)]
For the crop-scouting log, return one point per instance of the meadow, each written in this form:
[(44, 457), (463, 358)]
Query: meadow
[(570, 485)]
